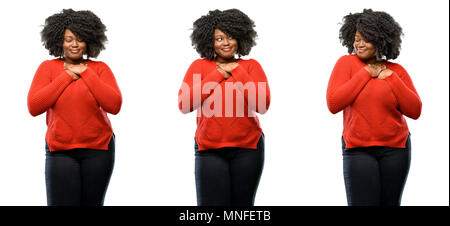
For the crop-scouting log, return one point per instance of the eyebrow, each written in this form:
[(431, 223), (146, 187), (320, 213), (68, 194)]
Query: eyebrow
[(74, 37)]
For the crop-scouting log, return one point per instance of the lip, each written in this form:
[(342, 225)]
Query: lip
[(74, 51), (228, 49), (361, 50)]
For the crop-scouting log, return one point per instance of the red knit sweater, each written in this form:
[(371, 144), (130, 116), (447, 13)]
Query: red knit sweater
[(76, 110), (228, 127), (373, 108)]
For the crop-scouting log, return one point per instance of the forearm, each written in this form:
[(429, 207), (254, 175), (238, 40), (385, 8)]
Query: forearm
[(108, 96), (341, 94), (43, 96), (256, 85), (408, 100), (196, 89)]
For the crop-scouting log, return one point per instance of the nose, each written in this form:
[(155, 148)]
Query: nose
[(225, 41), (75, 43)]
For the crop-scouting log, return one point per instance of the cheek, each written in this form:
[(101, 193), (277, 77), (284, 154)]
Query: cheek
[(235, 44), (65, 45), (216, 46), (83, 47), (371, 47)]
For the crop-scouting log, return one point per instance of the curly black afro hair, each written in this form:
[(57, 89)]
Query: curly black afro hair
[(84, 24), (378, 28), (232, 22)]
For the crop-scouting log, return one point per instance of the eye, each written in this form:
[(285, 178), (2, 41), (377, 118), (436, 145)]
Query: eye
[(219, 39)]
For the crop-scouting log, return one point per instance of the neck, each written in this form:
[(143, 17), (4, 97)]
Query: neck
[(71, 61), (372, 60), (223, 60)]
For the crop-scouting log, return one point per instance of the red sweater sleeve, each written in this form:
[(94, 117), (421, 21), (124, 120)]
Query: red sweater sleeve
[(103, 87), (256, 75), (343, 88), (186, 92), (408, 100), (44, 92)]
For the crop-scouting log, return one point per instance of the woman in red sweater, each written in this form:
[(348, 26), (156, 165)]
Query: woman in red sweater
[(374, 94), (76, 93), (226, 91)]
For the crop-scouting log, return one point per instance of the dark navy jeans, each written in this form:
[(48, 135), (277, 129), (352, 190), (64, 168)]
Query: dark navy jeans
[(228, 176), (375, 176), (78, 177)]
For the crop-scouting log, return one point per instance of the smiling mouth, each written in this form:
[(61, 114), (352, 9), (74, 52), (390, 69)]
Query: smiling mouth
[(75, 51), (361, 50)]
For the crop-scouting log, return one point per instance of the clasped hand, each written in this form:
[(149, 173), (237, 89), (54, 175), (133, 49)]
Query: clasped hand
[(378, 70), (75, 70), (226, 68)]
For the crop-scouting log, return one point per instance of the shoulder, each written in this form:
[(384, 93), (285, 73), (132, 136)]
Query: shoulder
[(201, 61), (250, 63), (200, 64), (347, 59), (51, 63), (99, 64), (349, 63), (395, 67)]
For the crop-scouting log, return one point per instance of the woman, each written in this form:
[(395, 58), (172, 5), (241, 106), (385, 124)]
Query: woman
[(76, 93), (226, 91), (374, 94)]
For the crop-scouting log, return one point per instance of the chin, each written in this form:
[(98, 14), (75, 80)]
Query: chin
[(362, 58), (76, 58)]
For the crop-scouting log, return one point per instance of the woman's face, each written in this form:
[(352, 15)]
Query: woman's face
[(224, 45), (363, 49), (73, 47)]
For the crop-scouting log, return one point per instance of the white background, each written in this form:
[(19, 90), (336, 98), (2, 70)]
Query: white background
[(149, 51)]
